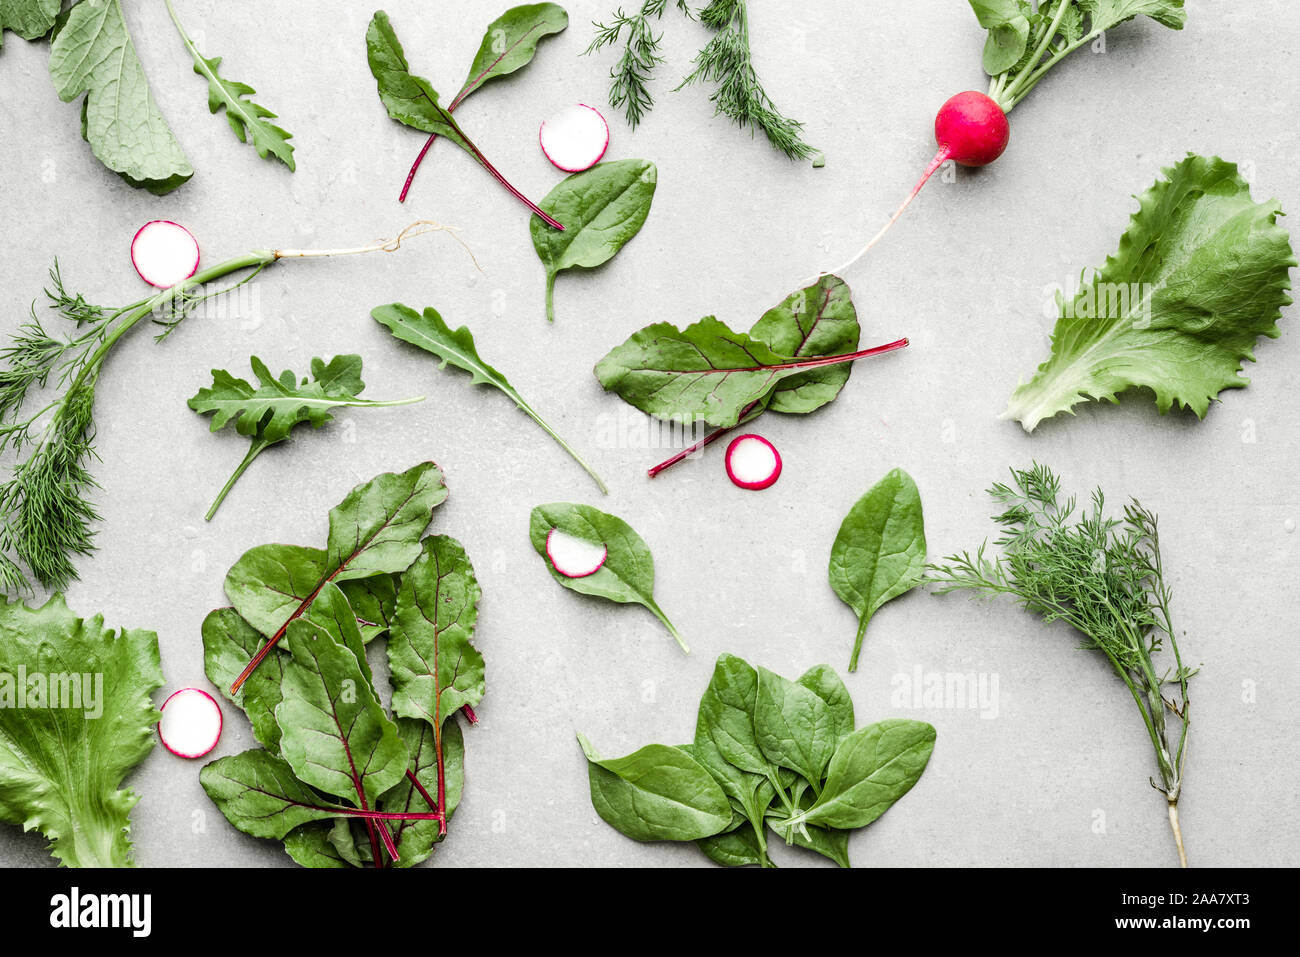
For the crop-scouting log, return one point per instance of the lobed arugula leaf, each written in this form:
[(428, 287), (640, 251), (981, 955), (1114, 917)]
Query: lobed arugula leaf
[(628, 574), (92, 53), (601, 208), (62, 761), (268, 412), (879, 552), (429, 332), (30, 19), (246, 118), (1201, 273)]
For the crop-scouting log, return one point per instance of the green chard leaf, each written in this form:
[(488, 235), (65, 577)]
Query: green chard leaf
[(429, 332), (707, 371), (818, 320), (510, 43), (628, 573), (879, 552), (268, 413), (871, 769), (259, 794), (247, 119), (92, 53), (374, 531), (62, 762), (229, 643), (436, 670), (415, 839), (658, 793), (1201, 273), (30, 19), (601, 208)]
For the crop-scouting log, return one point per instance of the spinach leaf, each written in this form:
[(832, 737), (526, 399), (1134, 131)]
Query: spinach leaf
[(658, 793), (879, 552), (433, 335), (628, 574), (247, 119), (822, 681), (793, 726), (706, 371), (738, 848), (375, 530), (92, 53), (871, 769), (726, 715), (601, 208), (268, 413)]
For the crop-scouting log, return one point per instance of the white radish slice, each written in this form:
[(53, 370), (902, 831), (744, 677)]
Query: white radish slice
[(191, 723), (753, 462), (575, 138), (574, 557), (164, 253)]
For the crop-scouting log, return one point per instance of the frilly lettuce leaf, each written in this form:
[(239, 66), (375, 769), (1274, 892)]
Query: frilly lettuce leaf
[(1201, 273)]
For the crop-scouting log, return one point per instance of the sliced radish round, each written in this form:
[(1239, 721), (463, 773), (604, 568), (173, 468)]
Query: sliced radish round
[(574, 557), (753, 462), (191, 723), (164, 253), (575, 138)]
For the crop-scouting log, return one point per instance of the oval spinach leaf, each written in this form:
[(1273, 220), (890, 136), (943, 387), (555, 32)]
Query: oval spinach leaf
[(793, 726), (879, 552), (628, 575), (601, 209), (656, 794)]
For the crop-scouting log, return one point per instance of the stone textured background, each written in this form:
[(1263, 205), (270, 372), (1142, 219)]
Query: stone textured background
[(734, 228)]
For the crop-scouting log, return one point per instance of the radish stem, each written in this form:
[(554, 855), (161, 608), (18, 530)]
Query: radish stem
[(940, 158)]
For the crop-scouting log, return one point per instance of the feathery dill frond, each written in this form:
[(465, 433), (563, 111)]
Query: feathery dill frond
[(728, 61), (629, 76)]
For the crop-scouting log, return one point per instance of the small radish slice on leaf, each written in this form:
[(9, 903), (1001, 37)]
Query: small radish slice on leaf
[(164, 253), (753, 462), (575, 138), (191, 723), (574, 557)]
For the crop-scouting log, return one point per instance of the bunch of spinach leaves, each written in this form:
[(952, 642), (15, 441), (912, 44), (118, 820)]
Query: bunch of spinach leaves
[(769, 754), (341, 780)]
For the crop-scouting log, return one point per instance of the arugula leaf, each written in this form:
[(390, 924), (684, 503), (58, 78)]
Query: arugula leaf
[(246, 118), (658, 793), (61, 766), (268, 413), (704, 371), (628, 574), (601, 208), (412, 101), (879, 552), (1200, 274), (433, 335), (92, 53), (509, 44), (871, 769), (30, 19), (375, 530)]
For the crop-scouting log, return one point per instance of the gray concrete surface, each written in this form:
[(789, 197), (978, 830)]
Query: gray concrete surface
[(1059, 775)]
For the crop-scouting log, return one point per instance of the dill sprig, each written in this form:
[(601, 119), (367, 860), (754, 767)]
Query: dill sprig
[(629, 77), (1104, 577), (728, 61)]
